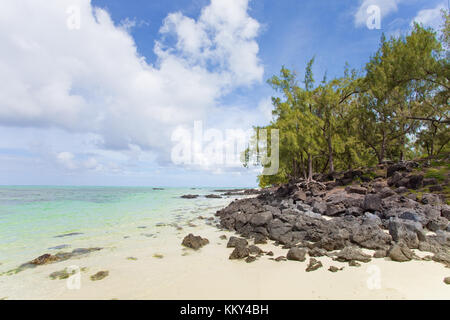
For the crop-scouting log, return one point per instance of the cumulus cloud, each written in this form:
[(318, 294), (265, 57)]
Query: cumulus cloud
[(91, 79), (431, 17), (386, 7)]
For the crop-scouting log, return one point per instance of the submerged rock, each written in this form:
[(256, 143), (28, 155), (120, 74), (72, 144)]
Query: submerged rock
[(69, 234), (189, 196), (99, 275)]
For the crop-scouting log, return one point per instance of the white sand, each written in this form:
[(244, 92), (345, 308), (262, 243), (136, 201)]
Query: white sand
[(208, 274)]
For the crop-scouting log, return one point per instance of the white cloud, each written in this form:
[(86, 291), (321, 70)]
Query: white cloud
[(431, 17), (386, 7), (66, 159), (92, 80)]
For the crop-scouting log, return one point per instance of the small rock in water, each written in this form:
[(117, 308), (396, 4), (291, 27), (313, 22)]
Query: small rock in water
[(99, 275), (194, 242), (223, 237), (189, 196), (158, 256), (69, 234), (44, 259), (313, 265), (132, 258), (447, 280), (63, 274), (270, 253), (250, 259), (142, 227), (62, 246)]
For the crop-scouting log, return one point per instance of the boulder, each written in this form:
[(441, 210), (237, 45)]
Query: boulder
[(313, 265), (400, 253), (234, 242), (372, 202), (296, 254), (261, 218), (194, 242), (255, 250), (239, 252), (356, 189), (352, 253)]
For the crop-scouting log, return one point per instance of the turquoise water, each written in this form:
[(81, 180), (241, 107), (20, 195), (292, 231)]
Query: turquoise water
[(32, 218)]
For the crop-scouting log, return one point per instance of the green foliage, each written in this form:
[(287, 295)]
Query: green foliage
[(395, 108)]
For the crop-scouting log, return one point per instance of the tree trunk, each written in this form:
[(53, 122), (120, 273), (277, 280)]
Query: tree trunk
[(330, 155), (310, 167)]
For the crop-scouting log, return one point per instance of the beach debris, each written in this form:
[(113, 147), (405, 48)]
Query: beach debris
[(132, 258), (99, 275), (239, 252), (189, 196), (160, 224), (447, 280), (69, 234), (194, 242), (235, 242), (142, 227), (313, 265), (158, 256), (296, 254)]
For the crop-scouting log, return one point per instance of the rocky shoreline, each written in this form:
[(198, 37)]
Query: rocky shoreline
[(338, 215)]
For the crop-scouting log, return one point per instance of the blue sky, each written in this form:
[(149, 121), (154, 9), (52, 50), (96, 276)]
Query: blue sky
[(96, 89)]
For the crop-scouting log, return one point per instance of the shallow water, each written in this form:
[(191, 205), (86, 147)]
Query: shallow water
[(36, 220)]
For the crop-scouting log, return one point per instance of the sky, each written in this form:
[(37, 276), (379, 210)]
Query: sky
[(151, 93)]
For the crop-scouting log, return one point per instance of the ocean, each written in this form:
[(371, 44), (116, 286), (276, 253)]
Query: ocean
[(43, 219)]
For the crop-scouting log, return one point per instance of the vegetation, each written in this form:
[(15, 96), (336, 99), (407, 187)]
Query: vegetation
[(396, 108)]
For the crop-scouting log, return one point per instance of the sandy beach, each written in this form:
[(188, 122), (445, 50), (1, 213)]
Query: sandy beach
[(184, 273)]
